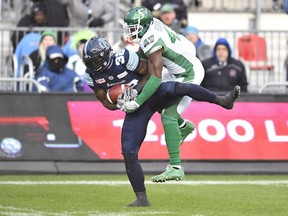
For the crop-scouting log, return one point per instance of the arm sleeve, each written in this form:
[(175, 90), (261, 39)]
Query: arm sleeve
[(44, 83), (89, 81), (149, 89)]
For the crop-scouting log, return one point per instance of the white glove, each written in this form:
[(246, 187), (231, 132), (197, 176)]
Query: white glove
[(127, 95), (130, 94), (131, 106), (121, 102)]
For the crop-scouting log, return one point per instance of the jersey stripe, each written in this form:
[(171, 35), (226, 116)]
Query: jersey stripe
[(133, 61), (89, 80)]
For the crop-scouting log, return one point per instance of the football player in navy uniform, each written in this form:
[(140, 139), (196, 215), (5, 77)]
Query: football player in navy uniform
[(106, 69)]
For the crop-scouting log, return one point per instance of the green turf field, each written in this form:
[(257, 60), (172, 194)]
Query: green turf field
[(91, 195)]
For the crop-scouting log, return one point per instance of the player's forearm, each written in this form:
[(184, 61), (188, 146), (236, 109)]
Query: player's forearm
[(101, 96), (149, 89), (110, 106), (142, 83)]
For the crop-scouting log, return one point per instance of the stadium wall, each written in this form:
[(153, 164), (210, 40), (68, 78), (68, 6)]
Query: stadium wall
[(73, 133)]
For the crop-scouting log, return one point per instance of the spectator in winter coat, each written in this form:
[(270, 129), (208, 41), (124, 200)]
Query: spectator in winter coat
[(91, 13), (203, 51), (55, 76), (57, 16), (178, 5), (36, 18), (48, 38), (222, 71)]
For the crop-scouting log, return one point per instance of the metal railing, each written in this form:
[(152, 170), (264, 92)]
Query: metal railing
[(257, 72), (274, 87), (23, 81), (243, 6)]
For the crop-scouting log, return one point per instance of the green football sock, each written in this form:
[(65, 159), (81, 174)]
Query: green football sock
[(172, 137), (181, 121)]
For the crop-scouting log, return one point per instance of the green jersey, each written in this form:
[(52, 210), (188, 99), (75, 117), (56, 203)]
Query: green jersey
[(178, 52)]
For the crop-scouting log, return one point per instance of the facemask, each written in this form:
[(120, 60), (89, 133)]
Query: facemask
[(56, 64)]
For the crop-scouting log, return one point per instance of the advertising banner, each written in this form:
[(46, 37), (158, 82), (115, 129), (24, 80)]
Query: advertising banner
[(251, 131), (66, 127)]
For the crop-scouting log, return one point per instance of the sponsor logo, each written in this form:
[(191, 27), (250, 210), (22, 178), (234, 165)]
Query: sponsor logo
[(117, 83), (232, 73), (100, 81), (120, 76), (10, 147)]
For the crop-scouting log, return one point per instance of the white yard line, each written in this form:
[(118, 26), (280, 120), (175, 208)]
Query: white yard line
[(13, 211), (118, 183)]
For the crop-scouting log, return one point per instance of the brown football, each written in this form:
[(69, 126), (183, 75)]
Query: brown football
[(115, 91)]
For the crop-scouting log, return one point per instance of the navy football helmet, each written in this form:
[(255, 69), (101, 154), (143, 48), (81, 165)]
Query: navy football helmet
[(97, 54)]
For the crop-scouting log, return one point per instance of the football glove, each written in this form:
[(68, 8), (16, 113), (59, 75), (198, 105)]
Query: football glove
[(127, 95), (131, 106), (121, 102), (130, 94)]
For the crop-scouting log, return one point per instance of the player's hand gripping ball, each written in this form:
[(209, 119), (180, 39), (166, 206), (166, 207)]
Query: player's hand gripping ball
[(116, 91)]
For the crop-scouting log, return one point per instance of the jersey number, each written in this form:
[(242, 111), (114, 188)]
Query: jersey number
[(120, 57), (173, 35)]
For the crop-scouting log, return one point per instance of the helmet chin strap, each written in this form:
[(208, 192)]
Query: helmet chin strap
[(137, 40)]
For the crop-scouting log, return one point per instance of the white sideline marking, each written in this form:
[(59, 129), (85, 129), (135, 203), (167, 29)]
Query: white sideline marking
[(13, 211), (118, 183)]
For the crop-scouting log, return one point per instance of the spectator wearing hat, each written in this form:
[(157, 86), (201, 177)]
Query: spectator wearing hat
[(36, 18), (168, 16), (57, 16), (222, 71), (203, 51), (48, 38), (54, 76), (178, 5)]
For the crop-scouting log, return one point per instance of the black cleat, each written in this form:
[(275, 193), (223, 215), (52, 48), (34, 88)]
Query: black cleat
[(139, 203), (141, 200), (227, 101)]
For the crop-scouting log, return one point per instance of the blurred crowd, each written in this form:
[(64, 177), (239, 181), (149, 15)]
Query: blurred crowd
[(56, 57)]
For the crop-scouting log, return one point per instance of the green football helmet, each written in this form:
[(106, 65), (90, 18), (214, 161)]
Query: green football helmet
[(136, 23)]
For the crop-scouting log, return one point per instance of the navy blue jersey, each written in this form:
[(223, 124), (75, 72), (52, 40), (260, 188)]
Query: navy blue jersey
[(121, 70)]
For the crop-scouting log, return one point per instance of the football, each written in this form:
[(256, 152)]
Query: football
[(115, 91)]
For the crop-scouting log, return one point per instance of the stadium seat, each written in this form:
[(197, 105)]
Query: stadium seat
[(252, 48), (26, 46)]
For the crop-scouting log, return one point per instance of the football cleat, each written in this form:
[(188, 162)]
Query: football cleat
[(139, 203), (186, 130), (227, 101), (171, 173)]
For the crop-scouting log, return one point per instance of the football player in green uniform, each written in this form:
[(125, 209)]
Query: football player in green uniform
[(164, 47)]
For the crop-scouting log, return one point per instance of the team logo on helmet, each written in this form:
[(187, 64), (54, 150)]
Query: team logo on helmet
[(103, 43)]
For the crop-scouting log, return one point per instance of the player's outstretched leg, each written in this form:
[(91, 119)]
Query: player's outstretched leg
[(187, 128), (227, 101), (141, 200), (171, 173), (201, 94)]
